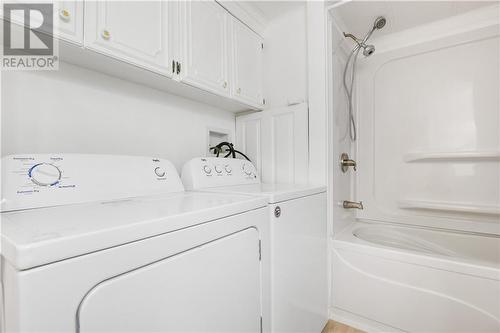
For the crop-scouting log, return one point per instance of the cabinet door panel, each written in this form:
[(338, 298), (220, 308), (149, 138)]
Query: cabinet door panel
[(204, 39), (134, 31), (67, 18), (247, 64), (276, 140)]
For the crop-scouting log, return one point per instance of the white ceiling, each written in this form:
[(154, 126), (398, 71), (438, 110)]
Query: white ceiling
[(357, 17), (273, 9)]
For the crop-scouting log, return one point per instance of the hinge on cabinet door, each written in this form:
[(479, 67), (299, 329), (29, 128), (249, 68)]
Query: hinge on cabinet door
[(264, 101), (173, 66), (178, 67), (262, 45)]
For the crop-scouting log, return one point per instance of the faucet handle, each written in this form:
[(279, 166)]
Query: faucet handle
[(345, 163)]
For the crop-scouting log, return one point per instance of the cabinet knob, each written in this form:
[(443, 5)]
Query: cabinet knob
[(64, 14), (105, 34), (224, 85), (238, 91)]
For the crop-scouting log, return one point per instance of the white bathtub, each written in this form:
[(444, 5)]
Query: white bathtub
[(417, 280)]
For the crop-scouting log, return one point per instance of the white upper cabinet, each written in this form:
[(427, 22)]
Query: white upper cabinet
[(137, 32), (198, 43), (247, 49), (69, 16), (67, 19), (203, 46)]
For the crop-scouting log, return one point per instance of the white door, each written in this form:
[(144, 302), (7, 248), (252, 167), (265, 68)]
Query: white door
[(137, 32), (247, 49), (214, 287), (204, 55)]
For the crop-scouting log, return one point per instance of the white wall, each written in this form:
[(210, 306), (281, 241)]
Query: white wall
[(81, 111), (317, 90), (285, 58)]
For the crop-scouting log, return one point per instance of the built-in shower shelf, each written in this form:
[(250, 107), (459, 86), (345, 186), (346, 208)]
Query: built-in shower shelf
[(453, 156), (449, 207)]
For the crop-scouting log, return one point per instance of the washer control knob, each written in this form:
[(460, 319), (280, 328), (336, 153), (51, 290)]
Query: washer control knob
[(228, 169), (44, 174), (160, 172), (247, 169), (218, 169), (207, 169)]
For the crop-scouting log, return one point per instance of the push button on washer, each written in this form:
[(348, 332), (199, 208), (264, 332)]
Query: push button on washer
[(207, 169)]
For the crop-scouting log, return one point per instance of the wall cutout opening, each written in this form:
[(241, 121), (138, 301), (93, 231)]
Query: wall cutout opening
[(216, 136)]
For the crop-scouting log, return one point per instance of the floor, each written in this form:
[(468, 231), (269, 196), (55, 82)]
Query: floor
[(336, 327)]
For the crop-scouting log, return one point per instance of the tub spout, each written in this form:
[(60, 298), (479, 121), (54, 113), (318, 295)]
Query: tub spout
[(352, 204)]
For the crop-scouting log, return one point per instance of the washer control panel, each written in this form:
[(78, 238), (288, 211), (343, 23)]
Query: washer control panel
[(205, 172), (41, 180)]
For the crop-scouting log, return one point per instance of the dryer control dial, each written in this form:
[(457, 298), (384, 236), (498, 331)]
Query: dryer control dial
[(44, 174), (160, 172)]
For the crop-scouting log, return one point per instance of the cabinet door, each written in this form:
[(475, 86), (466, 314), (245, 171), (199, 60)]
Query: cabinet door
[(276, 140), (67, 18), (204, 39), (137, 32), (247, 49)]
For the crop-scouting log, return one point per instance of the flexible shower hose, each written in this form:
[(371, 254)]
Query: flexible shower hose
[(348, 87)]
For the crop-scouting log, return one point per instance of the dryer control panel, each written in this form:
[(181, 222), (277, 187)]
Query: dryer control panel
[(206, 172), (41, 180)]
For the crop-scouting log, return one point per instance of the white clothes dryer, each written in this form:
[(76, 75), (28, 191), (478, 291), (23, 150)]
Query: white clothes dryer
[(298, 238), (99, 243)]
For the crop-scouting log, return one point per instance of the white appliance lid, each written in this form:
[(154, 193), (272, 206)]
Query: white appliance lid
[(273, 192), (40, 236)]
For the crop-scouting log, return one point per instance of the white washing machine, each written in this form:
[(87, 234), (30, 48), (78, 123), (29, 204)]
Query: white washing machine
[(96, 243), (297, 244)]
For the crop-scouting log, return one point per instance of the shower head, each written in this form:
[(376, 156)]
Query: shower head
[(368, 50), (379, 23)]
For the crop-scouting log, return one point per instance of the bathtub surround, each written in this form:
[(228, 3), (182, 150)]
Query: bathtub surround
[(427, 108)]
